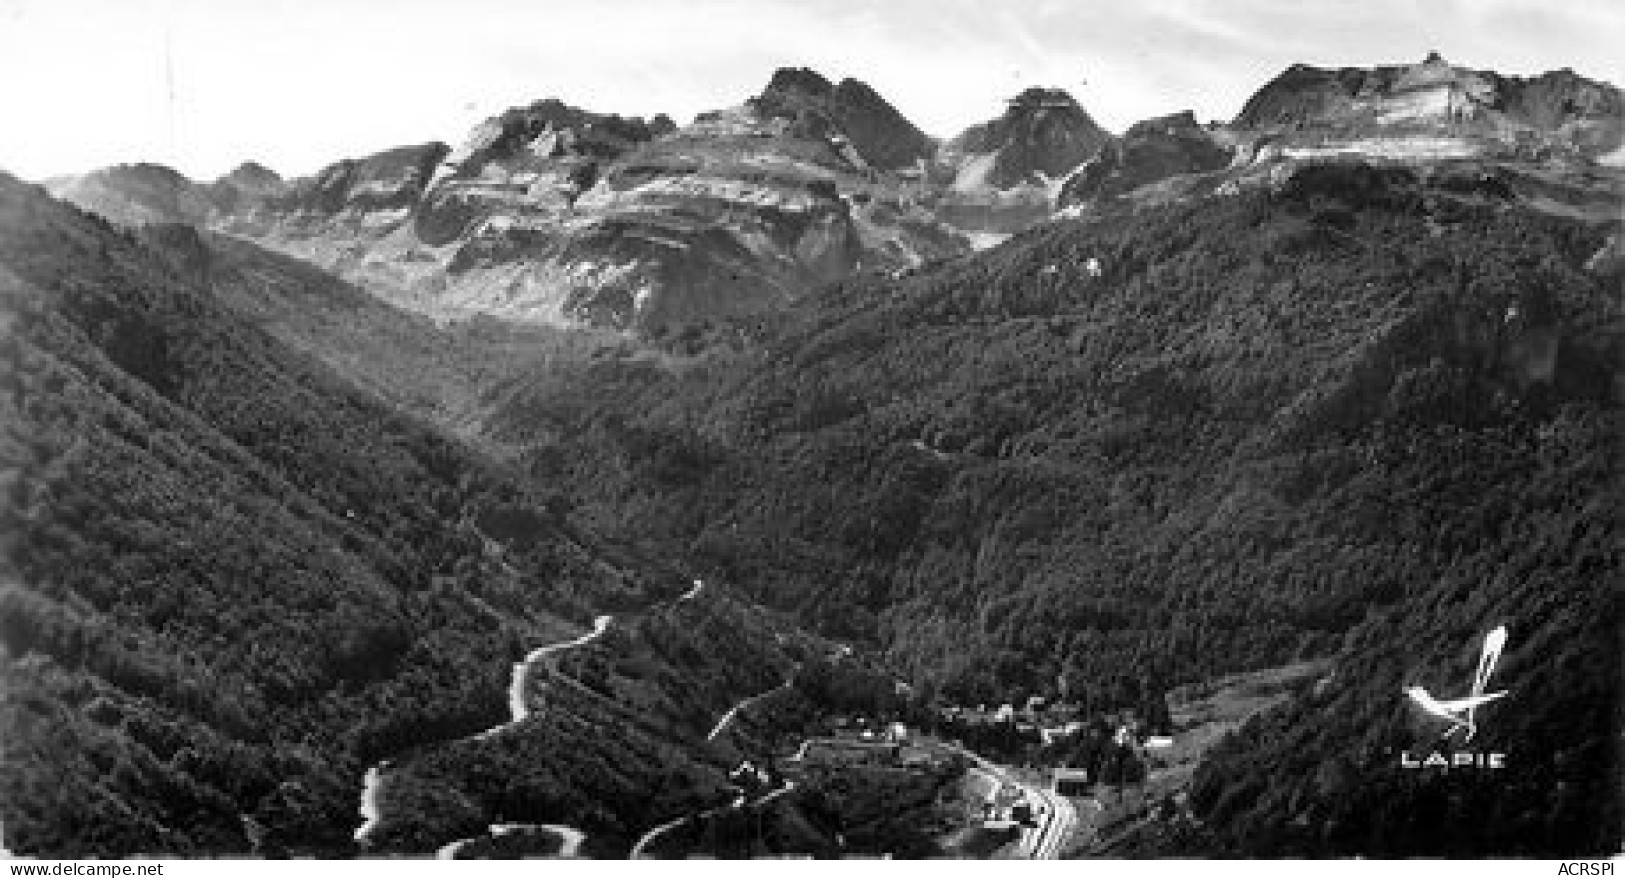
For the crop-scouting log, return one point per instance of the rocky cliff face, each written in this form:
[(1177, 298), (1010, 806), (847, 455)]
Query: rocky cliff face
[(1043, 134), (1555, 112), (534, 159), (1004, 175), (1153, 150), (549, 213), (387, 182), (1551, 141), (849, 114)]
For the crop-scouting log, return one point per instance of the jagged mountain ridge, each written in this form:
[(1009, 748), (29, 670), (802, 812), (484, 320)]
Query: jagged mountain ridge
[(549, 213), (552, 214), (1553, 140), (1557, 109)]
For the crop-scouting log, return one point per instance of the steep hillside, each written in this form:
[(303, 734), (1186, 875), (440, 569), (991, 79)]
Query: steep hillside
[(448, 374), (240, 189), (615, 741), (229, 581), (145, 194), (136, 195), (1358, 415)]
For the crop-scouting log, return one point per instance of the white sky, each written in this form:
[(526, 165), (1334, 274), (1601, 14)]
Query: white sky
[(297, 84)]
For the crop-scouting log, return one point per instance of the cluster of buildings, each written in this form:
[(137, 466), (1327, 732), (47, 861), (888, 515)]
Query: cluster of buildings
[(854, 744), (1048, 722), (1052, 723)]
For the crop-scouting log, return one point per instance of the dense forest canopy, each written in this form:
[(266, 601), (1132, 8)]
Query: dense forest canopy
[(1355, 415)]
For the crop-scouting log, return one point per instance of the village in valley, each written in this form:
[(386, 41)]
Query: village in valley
[(1039, 778)]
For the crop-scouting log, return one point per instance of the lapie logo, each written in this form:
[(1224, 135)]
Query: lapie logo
[(1462, 713)]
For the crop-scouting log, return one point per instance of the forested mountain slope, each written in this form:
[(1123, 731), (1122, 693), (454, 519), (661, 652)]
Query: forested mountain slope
[(1354, 415), (441, 372), (229, 580)]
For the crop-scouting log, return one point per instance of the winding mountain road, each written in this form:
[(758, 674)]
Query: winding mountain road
[(371, 815), (519, 682), (518, 709), (739, 801), (728, 718), (569, 845)]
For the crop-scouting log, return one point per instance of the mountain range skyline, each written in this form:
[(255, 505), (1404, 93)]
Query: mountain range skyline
[(204, 87)]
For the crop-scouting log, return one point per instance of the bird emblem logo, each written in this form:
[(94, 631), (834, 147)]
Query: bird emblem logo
[(1461, 713)]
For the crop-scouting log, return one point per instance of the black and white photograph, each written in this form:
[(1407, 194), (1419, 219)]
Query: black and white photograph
[(834, 430)]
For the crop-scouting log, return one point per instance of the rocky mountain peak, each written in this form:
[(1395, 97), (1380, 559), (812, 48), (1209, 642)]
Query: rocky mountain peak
[(881, 133), (799, 80), (1043, 132), (1039, 98), (252, 176), (1150, 150), (852, 111)]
